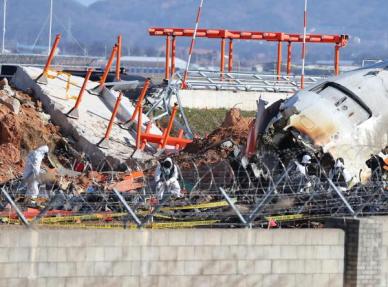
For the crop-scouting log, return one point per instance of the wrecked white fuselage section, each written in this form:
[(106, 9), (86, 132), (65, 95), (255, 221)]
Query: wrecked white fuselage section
[(344, 117)]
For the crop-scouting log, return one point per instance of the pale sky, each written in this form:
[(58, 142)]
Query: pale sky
[(87, 2)]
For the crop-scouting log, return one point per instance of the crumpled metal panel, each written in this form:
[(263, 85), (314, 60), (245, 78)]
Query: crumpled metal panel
[(346, 115)]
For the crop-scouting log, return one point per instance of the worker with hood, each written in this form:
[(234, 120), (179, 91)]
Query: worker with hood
[(340, 175), (32, 170), (300, 174), (304, 165), (166, 178)]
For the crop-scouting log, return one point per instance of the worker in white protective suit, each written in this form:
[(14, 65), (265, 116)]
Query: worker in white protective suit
[(300, 175), (166, 178), (303, 166), (32, 170), (340, 175)]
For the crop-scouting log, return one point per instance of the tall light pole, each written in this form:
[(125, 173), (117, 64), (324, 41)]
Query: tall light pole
[(192, 43), (304, 44), (50, 26), (4, 22)]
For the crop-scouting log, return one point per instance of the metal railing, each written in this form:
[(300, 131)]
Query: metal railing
[(214, 80)]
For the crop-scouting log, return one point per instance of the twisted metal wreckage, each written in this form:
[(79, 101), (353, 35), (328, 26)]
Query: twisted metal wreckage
[(258, 184)]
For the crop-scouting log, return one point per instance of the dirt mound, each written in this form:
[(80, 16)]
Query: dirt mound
[(20, 133), (234, 127), (9, 129), (234, 119), (211, 149)]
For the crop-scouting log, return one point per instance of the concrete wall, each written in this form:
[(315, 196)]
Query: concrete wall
[(384, 252), (197, 257), (209, 99), (366, 250)]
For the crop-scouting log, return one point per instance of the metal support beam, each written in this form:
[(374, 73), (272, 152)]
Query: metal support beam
[(167, 64), (173, 55), (230, 62), (18, 211), (279, 60), (249, 35), (289, 58), (222, 60), (127, 207), (108, 66), (231, 204), (336, 59), (341, 196)]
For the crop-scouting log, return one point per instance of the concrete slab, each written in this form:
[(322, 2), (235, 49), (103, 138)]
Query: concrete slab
[(95, 112), (210, 99)]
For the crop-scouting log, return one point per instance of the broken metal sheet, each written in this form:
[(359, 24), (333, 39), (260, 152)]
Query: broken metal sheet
[(122, 85), (347, 116)]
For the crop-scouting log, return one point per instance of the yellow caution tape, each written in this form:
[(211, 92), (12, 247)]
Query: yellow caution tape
[(200, 206), (90, 226), (8, 220), (78, 218), (56, 74), (75, 219), (97, 216), (279, 218)]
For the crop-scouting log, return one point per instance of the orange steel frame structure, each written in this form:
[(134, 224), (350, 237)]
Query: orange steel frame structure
[(339, 41)]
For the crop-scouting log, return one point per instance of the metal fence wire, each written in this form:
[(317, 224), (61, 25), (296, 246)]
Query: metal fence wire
[(225, 194)]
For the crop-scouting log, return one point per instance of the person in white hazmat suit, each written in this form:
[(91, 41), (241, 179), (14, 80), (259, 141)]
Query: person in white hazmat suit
[(166, 178), (300, 174), (32, 170), (340, 176)]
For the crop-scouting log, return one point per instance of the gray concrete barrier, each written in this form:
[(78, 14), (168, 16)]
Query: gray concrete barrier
[(197, 257), (209, 99)]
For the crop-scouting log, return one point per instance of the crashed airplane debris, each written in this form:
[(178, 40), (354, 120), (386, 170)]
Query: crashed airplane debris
[(343, 117), (294, 154)]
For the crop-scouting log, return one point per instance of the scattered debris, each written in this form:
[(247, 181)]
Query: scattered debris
[(20, 133), (294, 164), (220, 143)]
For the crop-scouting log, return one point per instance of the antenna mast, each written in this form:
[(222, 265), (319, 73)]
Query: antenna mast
[(4, 21), (50, 25)]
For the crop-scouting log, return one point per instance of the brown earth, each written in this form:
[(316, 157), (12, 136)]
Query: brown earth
[(21, 133), (208, 150)]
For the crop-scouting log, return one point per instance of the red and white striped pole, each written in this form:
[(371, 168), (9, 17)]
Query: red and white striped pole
[(304, 45), (192, 44)]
